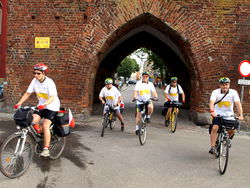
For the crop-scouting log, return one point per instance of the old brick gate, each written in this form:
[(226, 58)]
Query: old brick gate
[(199, 41)]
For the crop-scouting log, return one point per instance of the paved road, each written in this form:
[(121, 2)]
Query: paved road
[(118, 160)]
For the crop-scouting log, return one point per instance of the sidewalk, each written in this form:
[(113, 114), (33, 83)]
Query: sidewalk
[(5, 116)]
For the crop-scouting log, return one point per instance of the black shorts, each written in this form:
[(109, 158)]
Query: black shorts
[(215, 121), (139, 107), (46, 114)]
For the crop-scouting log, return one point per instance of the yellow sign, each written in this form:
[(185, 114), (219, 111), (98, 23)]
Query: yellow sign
[(42, 42)]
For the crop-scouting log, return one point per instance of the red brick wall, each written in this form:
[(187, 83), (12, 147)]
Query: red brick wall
[(213, 37)]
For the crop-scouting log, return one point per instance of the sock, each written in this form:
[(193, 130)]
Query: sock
[(137, 127), (46, 147), (148, 116)]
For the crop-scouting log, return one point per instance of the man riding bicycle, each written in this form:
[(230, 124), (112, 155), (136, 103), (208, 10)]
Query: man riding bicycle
[(112, 96), (142, 92), (171, 93), (221, 103), (49, 103)]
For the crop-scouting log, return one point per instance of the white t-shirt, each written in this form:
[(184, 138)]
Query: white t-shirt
[(173, 94), (111, 95), (43, 91), (144, 90), (224, 107)]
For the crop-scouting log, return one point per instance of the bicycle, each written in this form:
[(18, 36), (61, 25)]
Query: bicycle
[(172, 117), (222, 142), (109, 118), (17, 150), (143, 121)]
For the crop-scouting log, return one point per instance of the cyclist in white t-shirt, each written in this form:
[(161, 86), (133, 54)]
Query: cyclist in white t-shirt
[(223, 108), (49, 103), (111, 95), (171, 93), (143, 90)]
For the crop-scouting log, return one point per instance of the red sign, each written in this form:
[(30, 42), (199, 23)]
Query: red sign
[(244, 68)]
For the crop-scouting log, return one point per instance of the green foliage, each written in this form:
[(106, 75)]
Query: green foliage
[(157, 63), (127, 67)]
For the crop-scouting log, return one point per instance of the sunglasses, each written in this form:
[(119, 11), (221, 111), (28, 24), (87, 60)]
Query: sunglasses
[(38, 73)]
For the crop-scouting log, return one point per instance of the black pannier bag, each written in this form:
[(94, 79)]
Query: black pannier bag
[(23, 117), (164, 111), (61, 124), (231, 124)]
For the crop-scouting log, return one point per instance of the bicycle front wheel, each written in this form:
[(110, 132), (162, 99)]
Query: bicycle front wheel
[(105, 123), (112, 120), (13, 161), (142, 132), (173, 122), (223, 155), (57, 146)]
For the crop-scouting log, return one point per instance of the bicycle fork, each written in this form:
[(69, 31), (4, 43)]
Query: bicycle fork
[(21, 141)]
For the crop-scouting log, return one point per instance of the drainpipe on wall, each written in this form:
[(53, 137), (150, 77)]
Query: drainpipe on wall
[(3, 38)]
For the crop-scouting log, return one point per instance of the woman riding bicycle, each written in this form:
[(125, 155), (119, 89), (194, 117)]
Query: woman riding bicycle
[(221, 103), (171, 93), (48, 105)]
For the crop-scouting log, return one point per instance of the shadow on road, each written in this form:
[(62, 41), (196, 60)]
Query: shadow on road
[(74, 149)]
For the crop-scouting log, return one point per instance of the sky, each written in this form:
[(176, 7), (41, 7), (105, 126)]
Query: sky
[(139, 61)]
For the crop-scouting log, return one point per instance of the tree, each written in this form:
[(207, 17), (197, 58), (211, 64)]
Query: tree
[(127, 67), (157, 62)]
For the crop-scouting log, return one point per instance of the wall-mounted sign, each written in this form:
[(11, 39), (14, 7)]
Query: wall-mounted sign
[(243, 82), (244, 68), (42, 42)]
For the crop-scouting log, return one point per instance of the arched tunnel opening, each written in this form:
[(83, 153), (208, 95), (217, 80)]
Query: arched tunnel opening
[(174, 64), (149, 32)]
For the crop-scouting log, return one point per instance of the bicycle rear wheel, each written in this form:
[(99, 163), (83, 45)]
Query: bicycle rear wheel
[(13, 163), (173, 122), (142, 132), (223, 155), (57, 146), (105, 123)]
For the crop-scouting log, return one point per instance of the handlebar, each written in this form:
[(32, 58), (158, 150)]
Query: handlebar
[(152, 98), (175, 103), (223, 117), (34, 108)]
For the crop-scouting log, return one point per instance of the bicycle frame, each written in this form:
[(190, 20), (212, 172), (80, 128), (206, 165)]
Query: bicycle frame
[(172, 115), (111, 112)]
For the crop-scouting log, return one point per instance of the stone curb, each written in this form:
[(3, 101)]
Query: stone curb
[(6, 116)]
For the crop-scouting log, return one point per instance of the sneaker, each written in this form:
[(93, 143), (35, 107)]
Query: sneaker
[(212, 150), (45, 153), (122, 128), (148, 120), (137, 132)]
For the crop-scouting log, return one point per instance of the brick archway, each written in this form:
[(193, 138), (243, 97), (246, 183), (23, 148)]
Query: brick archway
[(177, 29), (207, 38)]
